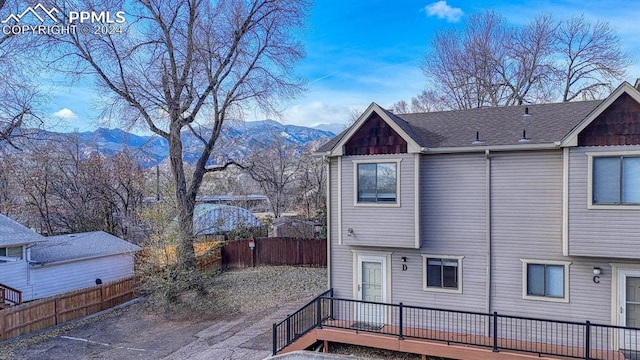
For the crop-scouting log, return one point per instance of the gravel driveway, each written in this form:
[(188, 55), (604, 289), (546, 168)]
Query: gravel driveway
[(245, 304)]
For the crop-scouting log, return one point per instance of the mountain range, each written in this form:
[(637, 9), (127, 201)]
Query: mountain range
[(236, 141)]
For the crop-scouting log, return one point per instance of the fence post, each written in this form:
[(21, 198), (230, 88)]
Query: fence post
[(319, 313), (331, 304), (400, 336), (495, 331), (2, 327), (288, 331), (275, 339), (587, 341)]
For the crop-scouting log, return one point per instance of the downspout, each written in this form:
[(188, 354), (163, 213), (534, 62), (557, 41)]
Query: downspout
[(488, 306), (327, 162)]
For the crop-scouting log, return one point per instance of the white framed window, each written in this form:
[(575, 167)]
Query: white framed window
[(377, 182), (614, 180), (546, 280), (442, 273), (12, 253)]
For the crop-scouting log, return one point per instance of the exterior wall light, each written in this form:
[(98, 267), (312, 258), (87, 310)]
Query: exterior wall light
[(596, 274)]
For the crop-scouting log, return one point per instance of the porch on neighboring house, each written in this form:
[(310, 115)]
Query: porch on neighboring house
[(449, 333), (9, 296)]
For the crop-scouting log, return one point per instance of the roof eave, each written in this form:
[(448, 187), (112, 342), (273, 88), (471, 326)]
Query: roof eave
[(23, 242), (494, 148), (321, 153), (60, 262)]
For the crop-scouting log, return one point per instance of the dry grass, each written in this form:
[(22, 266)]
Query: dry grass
[(247, 291)]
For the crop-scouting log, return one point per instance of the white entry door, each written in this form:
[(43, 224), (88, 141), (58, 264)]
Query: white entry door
[(629, 304), (371, 287)]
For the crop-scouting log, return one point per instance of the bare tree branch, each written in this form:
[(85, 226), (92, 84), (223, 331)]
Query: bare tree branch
[(192, 63)]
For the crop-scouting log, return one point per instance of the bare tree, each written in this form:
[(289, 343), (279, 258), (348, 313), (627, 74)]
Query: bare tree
[(311, 192), (19, 96), (490, 63), (591, 57), (400, 107), (57, 188), (179, 63), (275, 167), (527, 70)]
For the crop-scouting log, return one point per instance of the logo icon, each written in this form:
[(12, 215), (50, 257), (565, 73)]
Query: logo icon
[(35, 12)]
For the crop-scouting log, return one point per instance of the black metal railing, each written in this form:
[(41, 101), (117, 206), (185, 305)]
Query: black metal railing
[(584, 340), (309, 317)]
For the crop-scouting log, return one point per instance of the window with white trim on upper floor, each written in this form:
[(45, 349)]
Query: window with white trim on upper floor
[(615, 180), (442, 273), (377, 182), (13, 253), (546, 280)]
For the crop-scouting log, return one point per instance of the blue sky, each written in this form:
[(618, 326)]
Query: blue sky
[(364, 51)]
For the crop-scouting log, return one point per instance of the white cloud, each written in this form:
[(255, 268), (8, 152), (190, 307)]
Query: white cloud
[(315, 113), (65, 114), (442, 10)]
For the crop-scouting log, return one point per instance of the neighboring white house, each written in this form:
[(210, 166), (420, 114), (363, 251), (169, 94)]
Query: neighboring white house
[(69, 262), (16, 242), (44, 266)]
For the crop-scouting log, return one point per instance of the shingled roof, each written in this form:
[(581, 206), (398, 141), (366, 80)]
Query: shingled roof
[(544, 124), (12, 233), (495, 126), (80, 246)]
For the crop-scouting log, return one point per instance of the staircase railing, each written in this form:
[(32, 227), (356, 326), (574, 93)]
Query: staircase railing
[(296, 325), (10, 295)]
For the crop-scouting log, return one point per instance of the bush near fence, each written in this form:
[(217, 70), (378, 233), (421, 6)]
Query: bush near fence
[(40, 314)]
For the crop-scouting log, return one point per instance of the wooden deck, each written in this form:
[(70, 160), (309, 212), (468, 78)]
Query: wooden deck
[(448, 344)]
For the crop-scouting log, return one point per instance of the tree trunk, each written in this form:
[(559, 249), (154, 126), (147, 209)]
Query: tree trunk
[(186, 259)]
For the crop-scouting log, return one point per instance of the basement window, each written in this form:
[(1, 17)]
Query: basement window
[(442, 273)]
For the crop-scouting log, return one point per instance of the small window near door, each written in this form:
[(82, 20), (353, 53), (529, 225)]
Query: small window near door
[(442, 273), (546, 280)]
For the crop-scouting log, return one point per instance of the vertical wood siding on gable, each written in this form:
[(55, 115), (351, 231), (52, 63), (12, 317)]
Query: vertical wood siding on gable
[(619, 124), (375, 136), (56, 279), (526, 210), (599, 232), (383, 226), (453, 204)]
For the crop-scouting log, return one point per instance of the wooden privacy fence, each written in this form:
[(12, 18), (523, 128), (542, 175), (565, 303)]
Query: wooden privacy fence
[(275, 251), (41, 314)]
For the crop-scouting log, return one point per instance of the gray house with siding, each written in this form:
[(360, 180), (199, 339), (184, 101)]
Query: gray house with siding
[(529, 210), (39, 266)]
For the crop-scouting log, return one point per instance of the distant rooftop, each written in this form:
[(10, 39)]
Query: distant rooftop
[(80, 246), (209, 219), (230, 198), (12, 233)]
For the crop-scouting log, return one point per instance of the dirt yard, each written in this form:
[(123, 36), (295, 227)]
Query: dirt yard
[(244, 305)]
